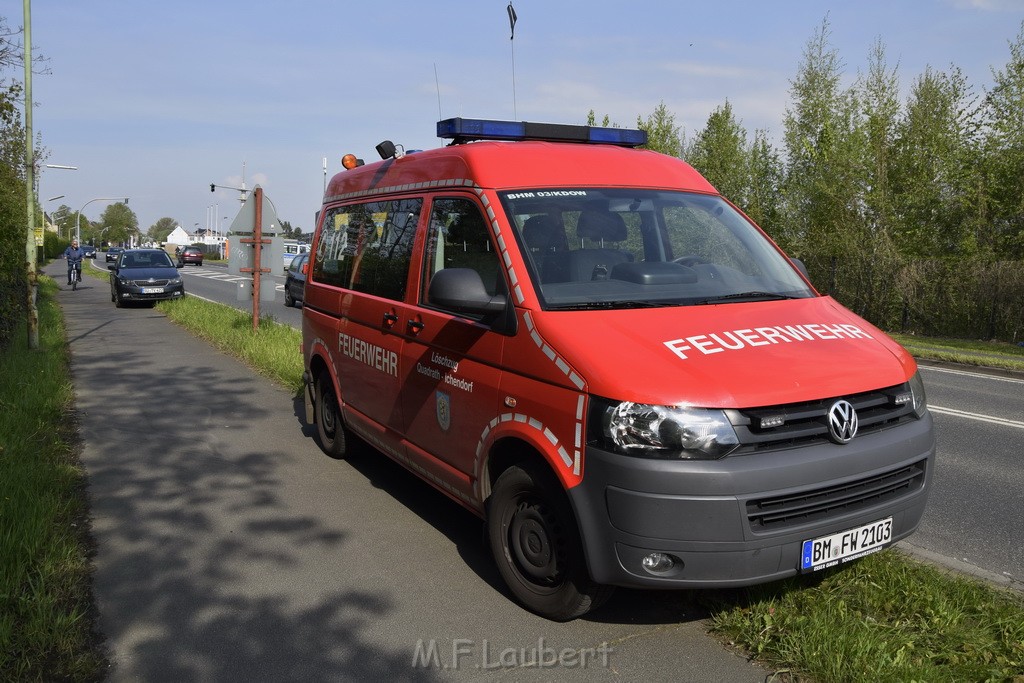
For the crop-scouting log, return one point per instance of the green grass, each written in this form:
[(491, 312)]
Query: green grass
[(884, 618), (45, 622), (274, 350), (1001, 355)]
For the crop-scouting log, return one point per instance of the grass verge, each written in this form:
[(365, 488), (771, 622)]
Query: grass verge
[(1001, 355), (273, 350), (884, 618), (45, 602)]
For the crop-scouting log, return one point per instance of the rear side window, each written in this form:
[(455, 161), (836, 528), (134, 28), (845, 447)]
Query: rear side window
[(368, 247)]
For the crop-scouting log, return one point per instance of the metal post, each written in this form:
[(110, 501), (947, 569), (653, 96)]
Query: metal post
[(257, 265), (30, 165)]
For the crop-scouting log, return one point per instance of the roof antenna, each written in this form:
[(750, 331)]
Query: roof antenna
[(437, 85), (512, 26)]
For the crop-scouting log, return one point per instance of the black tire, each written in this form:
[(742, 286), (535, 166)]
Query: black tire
[(288, 300), (536, 545), (330, 429)]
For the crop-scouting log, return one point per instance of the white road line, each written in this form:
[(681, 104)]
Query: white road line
[(975, 416), (964, 373)]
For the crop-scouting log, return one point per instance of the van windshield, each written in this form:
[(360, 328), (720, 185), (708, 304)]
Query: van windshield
[(621, 248)]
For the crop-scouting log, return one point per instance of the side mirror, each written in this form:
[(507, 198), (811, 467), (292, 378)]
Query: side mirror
[(462, 290), (112, 266), (801, 267)]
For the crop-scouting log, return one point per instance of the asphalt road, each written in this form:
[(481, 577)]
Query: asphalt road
[(973, 517), (228, 548)]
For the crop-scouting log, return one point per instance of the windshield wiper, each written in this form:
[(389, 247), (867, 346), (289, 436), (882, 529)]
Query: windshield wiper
[(600, 305), (748, 296)]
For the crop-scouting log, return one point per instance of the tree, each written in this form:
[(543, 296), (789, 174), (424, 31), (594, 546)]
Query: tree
[(605, 122), (935, 177), (13, 272), (879, 98), (763, 199), (1004, 152), (822, 185), (117, 224), (663, 135), (159, 231), (719, 152)]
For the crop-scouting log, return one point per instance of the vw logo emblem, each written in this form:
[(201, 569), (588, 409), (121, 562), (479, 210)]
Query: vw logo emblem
[(842, 422)]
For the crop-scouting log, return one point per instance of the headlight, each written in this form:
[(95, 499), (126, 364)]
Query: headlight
[(917, 389), (174, 281), (668, 431)]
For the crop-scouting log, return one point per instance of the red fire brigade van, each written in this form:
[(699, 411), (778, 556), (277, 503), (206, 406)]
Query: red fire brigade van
[(585, 344)]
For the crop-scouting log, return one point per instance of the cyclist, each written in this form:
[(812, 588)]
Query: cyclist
[(74, 256)]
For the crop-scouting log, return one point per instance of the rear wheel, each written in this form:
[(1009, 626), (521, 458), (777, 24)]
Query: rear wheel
[(330, 430), (536, 544), (288, 300)]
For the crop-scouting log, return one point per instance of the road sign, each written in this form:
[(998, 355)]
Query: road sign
[(241, 254)]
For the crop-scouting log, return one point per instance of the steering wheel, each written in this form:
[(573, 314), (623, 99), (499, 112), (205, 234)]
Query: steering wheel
[(689, 260)]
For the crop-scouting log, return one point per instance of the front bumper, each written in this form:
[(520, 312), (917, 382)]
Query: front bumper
[(135, 294), (720, 519)]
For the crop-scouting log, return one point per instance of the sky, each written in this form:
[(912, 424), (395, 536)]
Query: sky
[(155, 101)]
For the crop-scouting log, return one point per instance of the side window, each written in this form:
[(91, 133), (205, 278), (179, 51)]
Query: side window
[(368, 247), (458, 238)]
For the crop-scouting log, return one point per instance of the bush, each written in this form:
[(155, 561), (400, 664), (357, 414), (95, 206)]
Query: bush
[(13, 274)]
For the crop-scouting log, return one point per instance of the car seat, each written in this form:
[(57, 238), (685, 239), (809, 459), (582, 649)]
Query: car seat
[(596, 263)]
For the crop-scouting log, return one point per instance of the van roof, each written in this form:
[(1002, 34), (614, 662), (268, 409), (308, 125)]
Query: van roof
[(511, 165)]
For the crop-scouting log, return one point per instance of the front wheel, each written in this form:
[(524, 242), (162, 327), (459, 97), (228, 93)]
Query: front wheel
[(330, 430), (536, 545)]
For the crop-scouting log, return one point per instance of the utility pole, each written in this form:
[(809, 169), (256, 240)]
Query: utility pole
[(30, 185)]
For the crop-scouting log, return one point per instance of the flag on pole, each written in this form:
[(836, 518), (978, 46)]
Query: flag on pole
[(512, 20)]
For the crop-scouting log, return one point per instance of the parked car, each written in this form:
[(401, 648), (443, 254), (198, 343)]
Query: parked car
[(88, 251), (144, 275), (632, 385), (295, 280), (113, 253), (190, 255)]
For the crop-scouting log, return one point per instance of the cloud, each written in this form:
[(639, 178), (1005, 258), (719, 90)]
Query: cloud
[(990, 5)]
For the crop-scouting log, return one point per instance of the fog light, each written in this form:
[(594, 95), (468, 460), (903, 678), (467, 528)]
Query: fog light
[(658, 563)]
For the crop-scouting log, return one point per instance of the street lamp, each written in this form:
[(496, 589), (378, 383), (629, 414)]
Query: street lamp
[(78, 218)]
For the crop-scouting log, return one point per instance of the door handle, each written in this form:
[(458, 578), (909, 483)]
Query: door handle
[(390, 319), (416, 326)]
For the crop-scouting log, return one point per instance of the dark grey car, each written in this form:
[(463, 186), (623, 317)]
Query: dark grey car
[(295, 280), (144, 275)]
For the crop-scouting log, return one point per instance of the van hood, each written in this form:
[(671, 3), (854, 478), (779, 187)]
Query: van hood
[(737, 355)]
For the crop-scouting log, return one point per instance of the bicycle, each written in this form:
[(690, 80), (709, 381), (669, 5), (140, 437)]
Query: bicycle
[(76, 275)]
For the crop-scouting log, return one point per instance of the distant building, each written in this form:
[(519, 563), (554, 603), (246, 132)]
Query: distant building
[(178, 237)]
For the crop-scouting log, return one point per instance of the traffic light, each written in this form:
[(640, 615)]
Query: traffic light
[(212, 186)]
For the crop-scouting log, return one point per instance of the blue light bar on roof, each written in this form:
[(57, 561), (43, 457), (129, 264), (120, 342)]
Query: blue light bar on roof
[(460, 130)]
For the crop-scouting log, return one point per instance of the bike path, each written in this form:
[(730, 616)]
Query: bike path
[(228, 548)]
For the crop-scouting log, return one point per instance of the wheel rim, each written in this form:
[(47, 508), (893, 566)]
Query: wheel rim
[(328, 416), (535, 544)]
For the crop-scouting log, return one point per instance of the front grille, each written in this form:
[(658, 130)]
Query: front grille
[(805, 424), (780, 512), (150, 283)]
